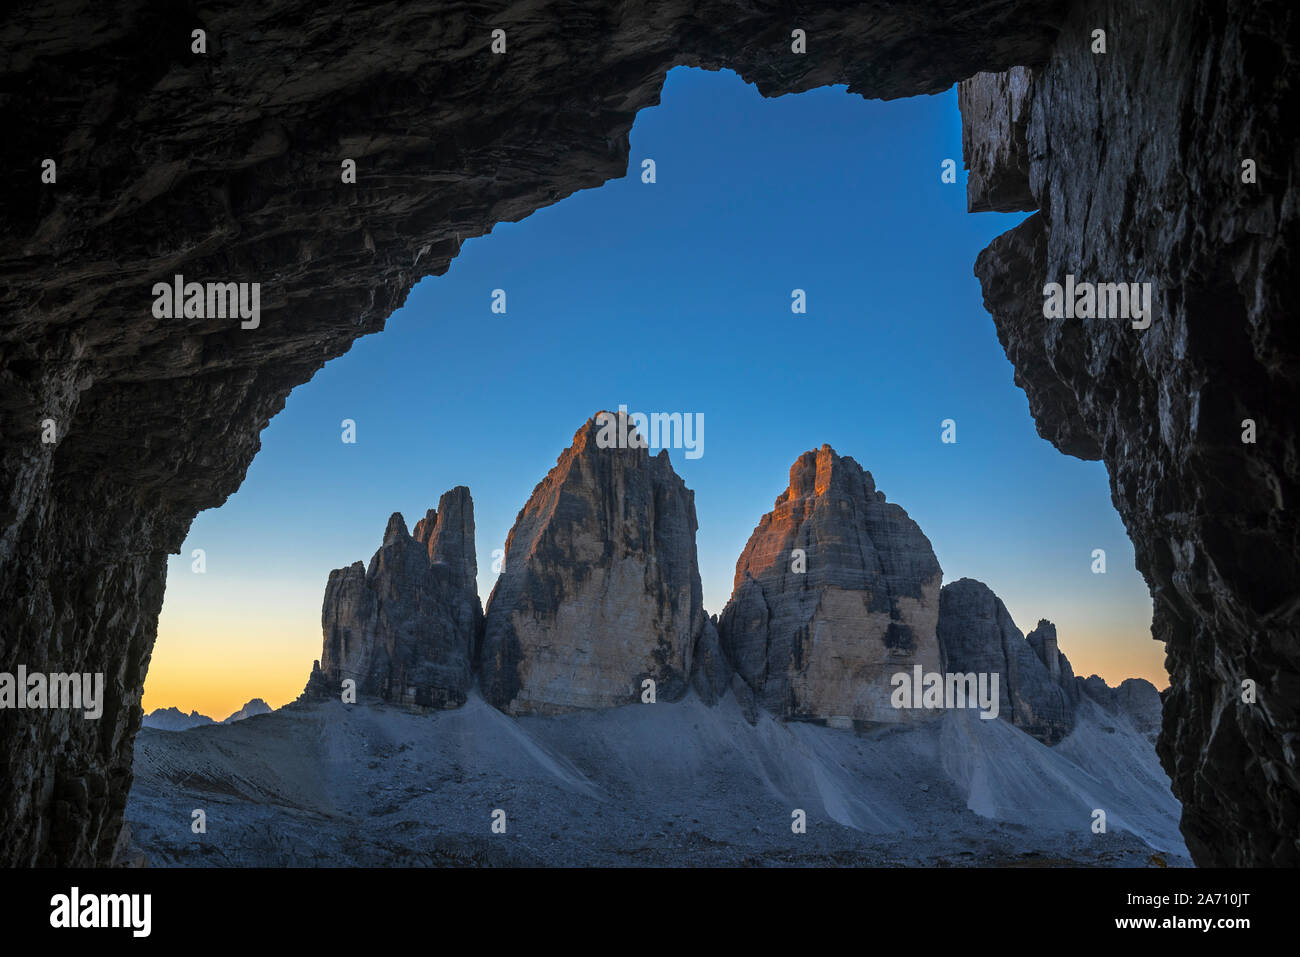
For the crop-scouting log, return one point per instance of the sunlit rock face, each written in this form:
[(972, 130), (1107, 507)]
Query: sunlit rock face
[(404, 628), (836, 591), (1170, 159), (600, 588)]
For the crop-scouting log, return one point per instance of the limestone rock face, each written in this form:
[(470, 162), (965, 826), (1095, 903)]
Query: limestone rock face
[(711, 669), (836, 591), (978, 635), (600, 588), (404, 629), (1047, 648), (1165, 195), (1038, 689)]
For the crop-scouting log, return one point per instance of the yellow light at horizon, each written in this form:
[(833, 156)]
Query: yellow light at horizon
[(222, 642)]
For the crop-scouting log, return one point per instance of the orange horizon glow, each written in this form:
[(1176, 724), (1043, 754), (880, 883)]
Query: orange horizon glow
[(214, 655)]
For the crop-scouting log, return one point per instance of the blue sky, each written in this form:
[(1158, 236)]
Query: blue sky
[(675, 296)]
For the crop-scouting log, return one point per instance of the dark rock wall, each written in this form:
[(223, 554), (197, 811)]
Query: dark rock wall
[(404, 628), (1134, 159), (226, 167)]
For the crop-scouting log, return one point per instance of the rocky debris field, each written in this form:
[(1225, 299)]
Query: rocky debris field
[(320, 783)]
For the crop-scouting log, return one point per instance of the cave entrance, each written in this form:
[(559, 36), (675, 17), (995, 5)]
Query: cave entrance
[(794, 271)]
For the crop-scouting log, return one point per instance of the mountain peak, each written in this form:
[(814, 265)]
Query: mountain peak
[(835, 591), (600, 587)]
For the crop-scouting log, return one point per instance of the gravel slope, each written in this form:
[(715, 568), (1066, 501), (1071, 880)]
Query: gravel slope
[(324, 783)]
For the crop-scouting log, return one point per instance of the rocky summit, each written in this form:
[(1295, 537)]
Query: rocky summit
[(1038, 690), (836, 591), (600, 588), (978, 635), (174, 719), (404, 628)]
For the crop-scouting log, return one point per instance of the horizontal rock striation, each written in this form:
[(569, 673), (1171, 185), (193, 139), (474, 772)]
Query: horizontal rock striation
[(600, 587), (836, 591), (404, 628), (1170, 159)]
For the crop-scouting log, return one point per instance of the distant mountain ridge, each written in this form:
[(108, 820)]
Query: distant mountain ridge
[(174, 719), (253, 708)]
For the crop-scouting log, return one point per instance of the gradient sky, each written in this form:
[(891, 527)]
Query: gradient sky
[(675, 297)]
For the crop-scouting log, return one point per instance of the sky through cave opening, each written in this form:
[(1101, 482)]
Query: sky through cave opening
[(675, 296)]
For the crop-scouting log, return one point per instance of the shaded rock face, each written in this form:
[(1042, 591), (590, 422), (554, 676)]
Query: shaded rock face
[(836, 591), (1039, 691), (995, 114), (600, 587), (711, 670), (1047, 648), (978, 635), (1134, 159), (404, 628)]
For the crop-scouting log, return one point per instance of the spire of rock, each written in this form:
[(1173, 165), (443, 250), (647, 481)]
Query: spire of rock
[(396, 530), (835, 592), (450, 534), (425, 526), (405, 627), (600, 588), (1044, 644)]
